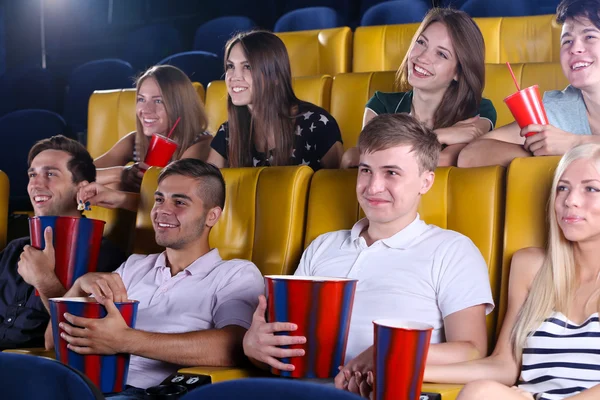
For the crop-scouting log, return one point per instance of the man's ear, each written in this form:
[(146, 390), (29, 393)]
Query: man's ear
[(427, 179), (213, 215)]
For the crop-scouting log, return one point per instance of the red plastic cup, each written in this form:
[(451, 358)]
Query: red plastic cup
[(400, 353), (321, 308), (527, 107), (76, 243), (160, 151), (108, 373)]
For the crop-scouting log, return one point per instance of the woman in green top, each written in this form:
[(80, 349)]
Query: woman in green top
[(441, 80)]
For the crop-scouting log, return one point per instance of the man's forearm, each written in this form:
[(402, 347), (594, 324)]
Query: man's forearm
[(453, 352), (49, 289), (213, 347)]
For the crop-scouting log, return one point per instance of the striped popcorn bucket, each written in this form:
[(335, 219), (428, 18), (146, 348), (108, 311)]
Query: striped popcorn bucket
[(321, 308), (108, 373), (400, 354), (76, 244)]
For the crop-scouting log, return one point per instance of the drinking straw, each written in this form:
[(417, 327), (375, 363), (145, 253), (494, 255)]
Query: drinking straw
[(511, 73), (177, 121)]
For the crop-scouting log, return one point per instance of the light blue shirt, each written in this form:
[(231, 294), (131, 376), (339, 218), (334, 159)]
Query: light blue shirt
[(566, 110)]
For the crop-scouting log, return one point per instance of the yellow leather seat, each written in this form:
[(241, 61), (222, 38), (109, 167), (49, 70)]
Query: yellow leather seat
[(4, 196), (528, 184), (263, 219), (314, 89), (514, 39), (381, 48), (111, 115), (319, 52), (349, 95), (525, 39)]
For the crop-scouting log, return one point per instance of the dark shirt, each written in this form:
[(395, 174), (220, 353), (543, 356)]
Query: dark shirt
[(315, 132), (401, 102), (23, 317)]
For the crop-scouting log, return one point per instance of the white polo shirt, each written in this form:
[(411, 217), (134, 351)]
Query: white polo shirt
[(209, 294), (423, 273)]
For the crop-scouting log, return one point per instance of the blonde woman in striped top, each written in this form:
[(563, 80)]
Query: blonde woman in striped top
[(549, 346)]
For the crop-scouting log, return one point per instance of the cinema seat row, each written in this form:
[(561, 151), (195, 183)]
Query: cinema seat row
[(272, 214), (332, 51), (112, 113)]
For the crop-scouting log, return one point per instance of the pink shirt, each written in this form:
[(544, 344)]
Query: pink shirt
[(209, 294)]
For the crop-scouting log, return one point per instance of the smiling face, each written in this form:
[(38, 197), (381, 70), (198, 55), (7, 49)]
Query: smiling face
[(238, 77), (150, 108), (432, 60), (51, 188), (178, 215), (577, 203), (389, 186), (580, 52)]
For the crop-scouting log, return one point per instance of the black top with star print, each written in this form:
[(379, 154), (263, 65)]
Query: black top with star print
[(315, 132)]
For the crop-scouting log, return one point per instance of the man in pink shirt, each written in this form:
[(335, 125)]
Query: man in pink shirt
[(194, 307)]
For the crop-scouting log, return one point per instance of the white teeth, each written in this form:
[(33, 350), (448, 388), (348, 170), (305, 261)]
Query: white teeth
[(238, 89), (41, 198), (166, 225), (421, 70), (149, 121), (579, 65)]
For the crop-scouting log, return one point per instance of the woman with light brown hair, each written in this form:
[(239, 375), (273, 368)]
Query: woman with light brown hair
[(267, 124), (441, 82), (163, 94)]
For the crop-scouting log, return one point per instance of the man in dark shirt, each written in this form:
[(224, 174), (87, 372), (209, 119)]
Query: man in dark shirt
[(58, 167)]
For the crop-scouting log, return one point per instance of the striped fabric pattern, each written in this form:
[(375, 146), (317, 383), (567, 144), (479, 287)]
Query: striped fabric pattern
[(561, 359)]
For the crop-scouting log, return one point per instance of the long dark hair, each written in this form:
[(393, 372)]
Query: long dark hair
[(462, 98), (273, 100)]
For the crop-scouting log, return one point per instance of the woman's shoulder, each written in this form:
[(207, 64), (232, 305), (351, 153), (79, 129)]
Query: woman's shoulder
[(390, 102), (526, 263)]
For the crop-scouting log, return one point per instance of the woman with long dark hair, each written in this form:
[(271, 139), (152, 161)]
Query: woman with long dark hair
[(268, 125), (441, 82)]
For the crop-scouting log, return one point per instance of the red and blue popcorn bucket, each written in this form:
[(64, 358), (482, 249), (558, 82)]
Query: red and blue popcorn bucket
[(321, 308), (400, 354), (76, 244), (108, 373)]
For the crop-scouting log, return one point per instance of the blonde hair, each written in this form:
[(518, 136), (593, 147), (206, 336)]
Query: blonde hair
[(555, 281), (181, 100)]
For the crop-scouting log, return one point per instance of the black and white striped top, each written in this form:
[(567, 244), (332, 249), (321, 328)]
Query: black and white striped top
[(561, 359)]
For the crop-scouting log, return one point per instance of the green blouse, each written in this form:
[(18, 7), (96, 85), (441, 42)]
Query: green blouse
[(400, 102)]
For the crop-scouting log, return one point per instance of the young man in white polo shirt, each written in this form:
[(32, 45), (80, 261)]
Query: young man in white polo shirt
[(405, 268), (194, 307)]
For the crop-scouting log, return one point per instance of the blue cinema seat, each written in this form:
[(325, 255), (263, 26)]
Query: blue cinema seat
[(29, 377), (110, 73), (505, 8), (306, 19), (146, 46), (212, 36), (19, 131), (268, 389), (395, 12), (199, 66)]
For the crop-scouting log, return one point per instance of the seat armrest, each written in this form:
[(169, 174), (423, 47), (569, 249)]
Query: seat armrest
[(446, 391), (34, 351), (219, 374)]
